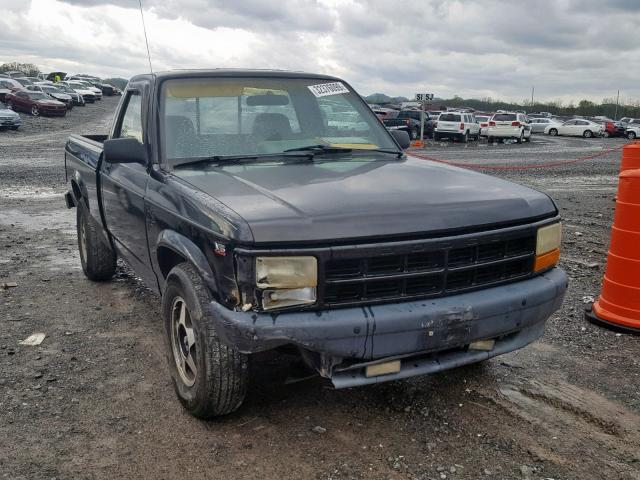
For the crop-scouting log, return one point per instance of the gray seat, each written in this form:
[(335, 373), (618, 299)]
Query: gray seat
[(180, 136), (271, 126)]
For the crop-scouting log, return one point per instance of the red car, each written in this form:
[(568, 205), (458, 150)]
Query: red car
[(35, 103)]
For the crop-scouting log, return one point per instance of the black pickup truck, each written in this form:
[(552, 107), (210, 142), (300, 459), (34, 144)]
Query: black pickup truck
[(273, 210), (409, 121)]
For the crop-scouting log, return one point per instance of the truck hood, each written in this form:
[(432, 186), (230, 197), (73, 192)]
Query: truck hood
[(359, 197)]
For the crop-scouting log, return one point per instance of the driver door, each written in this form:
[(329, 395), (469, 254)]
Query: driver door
[(567, 127), (123, 192)]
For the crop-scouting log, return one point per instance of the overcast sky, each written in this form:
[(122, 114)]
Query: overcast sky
[(567, 49)]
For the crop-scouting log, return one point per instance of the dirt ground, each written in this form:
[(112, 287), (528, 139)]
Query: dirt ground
[(94, 400)]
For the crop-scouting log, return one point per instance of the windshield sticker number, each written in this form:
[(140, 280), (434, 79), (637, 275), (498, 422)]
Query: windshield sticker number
[(324, 89)]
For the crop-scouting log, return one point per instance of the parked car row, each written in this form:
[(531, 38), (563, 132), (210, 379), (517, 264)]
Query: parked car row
[(466, 124), (51, 96)]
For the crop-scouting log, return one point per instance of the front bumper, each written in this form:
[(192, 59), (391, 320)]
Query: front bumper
[(428, 335), (10, 122)]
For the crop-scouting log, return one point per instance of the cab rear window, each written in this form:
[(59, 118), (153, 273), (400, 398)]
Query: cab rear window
[(449, 117)]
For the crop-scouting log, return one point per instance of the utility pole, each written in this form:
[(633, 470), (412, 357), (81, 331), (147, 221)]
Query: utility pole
[(615, 117), (533, 89)]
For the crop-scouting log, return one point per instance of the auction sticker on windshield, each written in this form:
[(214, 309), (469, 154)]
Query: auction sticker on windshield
[(324, 89)]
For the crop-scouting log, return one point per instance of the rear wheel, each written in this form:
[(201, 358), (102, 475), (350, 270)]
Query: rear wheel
[(631, 135), (97, 257), (465, 137), (553, 132), (520, 138), (587, 134), (209, 377)]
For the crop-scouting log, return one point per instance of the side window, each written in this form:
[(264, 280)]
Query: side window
[(131, 125)]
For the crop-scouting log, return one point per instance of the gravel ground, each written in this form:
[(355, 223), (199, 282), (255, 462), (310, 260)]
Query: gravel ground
[(94, 399)]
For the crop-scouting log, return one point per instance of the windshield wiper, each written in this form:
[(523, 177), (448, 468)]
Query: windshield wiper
[(215, 159), (311, 150)]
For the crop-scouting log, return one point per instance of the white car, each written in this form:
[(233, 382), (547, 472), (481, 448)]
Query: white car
[(87, 86), (576, 127), (483, 120), (456, 125), (632, 132), (538, 125), (505, 125), (87, 95)]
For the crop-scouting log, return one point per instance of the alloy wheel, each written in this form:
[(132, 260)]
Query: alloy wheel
[(183, 342)]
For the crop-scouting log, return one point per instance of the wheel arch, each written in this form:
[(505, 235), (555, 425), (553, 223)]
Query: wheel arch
[(173, 248)]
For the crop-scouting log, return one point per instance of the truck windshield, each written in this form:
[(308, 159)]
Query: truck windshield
[(220, 117)]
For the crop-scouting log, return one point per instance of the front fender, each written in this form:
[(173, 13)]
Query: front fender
[(190, 252)]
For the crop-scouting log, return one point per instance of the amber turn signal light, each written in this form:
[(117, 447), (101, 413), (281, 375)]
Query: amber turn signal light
[(547, 260)]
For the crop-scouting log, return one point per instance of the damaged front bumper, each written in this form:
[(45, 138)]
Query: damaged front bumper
[(425, 335)]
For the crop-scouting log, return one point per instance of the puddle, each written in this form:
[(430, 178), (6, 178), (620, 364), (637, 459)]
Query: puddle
[(29, 193), (55, 219), (580, 183), (66, 262)]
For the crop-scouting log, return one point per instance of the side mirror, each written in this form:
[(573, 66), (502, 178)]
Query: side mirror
[(124, 150), (402, 138)]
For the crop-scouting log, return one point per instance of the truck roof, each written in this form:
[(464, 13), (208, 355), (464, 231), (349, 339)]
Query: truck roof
[(230, 72)]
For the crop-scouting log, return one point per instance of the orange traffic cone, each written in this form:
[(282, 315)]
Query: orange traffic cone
[(630, 157), (619, 304), (417, 144)]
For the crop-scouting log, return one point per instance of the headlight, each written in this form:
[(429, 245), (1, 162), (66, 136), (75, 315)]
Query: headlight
[(287, 281), (548, 246)]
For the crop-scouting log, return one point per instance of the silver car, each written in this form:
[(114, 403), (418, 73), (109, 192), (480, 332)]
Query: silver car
[(539, 124), (9, 119)]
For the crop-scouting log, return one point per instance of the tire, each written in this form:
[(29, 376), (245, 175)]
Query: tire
[(465, 138), (14, 128), (436, 137), (520, 138), (210, 378), (35, 111), (10, 105), (553, 132), (97, 257), (489, 139), (606, 134), (587, 134), (414, 134), (631, 135)]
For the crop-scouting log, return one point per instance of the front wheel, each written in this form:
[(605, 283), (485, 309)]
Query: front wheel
[(631, 135), (35, 111), (414, 134), (587, 134), (97, 257), (209, 377), (553, 132)]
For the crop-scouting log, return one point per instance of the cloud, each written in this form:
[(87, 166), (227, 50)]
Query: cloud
[(568, 49)]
